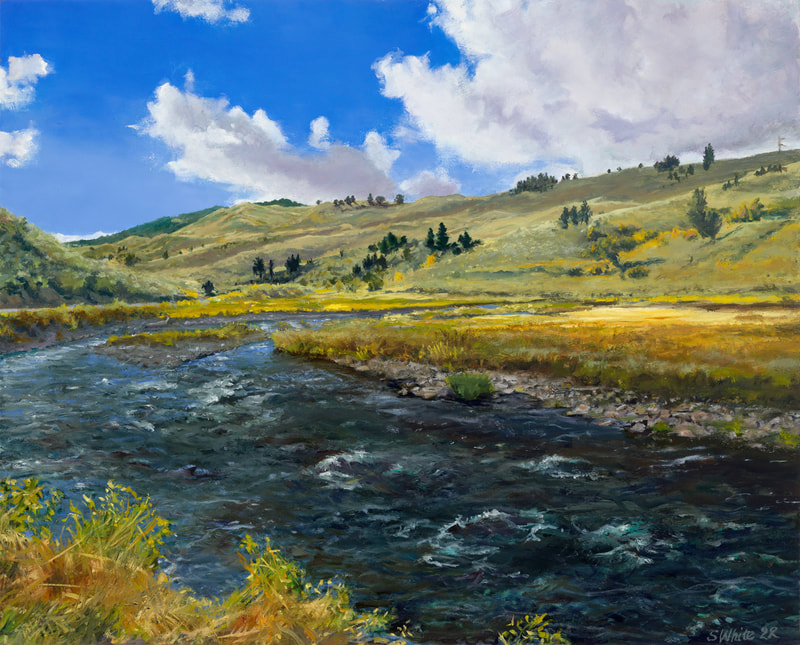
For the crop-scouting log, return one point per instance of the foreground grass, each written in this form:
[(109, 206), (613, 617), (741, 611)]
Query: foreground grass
[(737, 354), (98, 581)]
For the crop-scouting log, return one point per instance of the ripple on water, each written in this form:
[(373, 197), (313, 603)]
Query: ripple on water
[(560, 467)]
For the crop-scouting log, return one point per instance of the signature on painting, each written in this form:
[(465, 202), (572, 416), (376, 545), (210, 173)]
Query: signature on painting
[(742, 635)]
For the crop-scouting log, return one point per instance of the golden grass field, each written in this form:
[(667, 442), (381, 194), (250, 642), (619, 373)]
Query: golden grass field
[(737, 353)]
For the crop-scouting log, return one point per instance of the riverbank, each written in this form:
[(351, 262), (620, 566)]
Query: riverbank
[(655, 371), (25, 329), (633, 413)]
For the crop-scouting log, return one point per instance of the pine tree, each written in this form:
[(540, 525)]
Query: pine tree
[(430, 241), (258, 268), (708, 157), (585, 212), (706, 220), (564, 218), (442, 238)]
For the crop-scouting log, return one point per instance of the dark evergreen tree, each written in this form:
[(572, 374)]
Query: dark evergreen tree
[(430, 241), (442, 238), (208, 288), (293, 263), (271, 268), (564, 218), (466, 241), (668, 164), (585, 212), (708, 157), (573, 215), (259, 269), (399, 198), (706, 220)]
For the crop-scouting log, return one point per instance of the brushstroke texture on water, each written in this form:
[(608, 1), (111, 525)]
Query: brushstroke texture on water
[(455, 516)]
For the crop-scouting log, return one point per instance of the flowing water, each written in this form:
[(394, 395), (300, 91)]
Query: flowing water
[(456, 517)]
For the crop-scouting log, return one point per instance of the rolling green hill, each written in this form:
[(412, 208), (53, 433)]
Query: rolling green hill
[(36, 270), (525, 251), (638, 242), (160, 226)]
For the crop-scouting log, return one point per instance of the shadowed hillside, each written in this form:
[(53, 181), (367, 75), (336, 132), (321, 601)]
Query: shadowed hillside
[(35, 269)]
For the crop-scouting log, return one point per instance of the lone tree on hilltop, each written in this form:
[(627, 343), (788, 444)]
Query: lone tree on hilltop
[(708, 157), (667, 164), (399, 198), (259, 269), (442, 238), (706, 220)]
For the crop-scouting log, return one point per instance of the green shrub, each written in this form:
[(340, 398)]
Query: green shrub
[(531, 630), (638, 272), (470, 386)]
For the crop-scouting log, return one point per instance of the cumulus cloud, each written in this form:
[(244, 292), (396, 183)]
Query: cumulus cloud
[(604, 83), (250, 154), (209, 10), (427, 183), (18, 148), (378, 152), (18, 81), (319, 137)]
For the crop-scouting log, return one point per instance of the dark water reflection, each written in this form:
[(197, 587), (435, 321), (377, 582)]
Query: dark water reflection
[(456, 517)]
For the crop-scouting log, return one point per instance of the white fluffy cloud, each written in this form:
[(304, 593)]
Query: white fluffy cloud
[(18, 81), (16, 91), (427, 183), (17, 148), (319, 137), (376, 150), (208, 10), (251, 155), (604, 83)]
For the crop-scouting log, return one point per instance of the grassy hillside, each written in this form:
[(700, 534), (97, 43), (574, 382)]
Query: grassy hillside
[(525, 252), (160, 226), (35, 270)]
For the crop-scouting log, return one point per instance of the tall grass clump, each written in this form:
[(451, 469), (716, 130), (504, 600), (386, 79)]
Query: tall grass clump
[(470, 386), (93, 577)]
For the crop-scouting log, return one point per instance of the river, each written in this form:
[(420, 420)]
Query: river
[(456, 517)]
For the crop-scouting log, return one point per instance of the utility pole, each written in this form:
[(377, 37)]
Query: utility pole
[(780, 143)]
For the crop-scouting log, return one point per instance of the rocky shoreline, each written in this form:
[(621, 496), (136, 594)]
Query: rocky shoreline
[(633, 413)]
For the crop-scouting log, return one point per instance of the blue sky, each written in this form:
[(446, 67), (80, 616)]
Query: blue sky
[(116, 112)]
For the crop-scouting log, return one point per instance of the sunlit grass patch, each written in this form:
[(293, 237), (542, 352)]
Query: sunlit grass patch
[(168, 338), (686, 352)]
